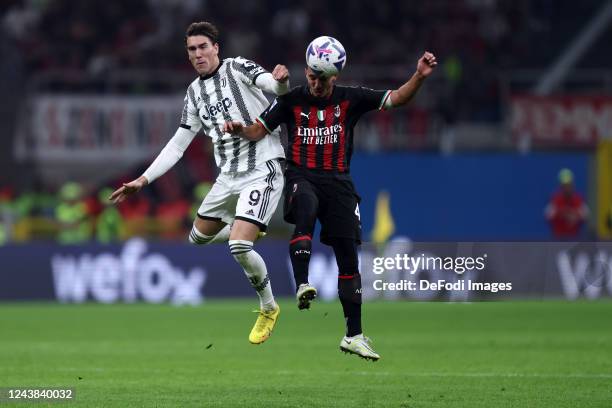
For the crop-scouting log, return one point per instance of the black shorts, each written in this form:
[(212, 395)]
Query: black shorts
[(337, 202)]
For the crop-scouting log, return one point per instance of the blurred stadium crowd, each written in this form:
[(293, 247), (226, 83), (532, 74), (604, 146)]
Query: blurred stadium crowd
[(476, 41), (75, 215)]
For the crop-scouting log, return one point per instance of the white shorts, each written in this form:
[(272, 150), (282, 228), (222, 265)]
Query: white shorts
[(251, 197)]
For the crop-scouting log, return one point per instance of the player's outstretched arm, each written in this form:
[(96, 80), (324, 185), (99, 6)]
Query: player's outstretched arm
[(254, 133), (128, 189), (276, 82), (406, 92), (170, 154)]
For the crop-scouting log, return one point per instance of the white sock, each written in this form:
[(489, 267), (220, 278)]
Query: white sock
[(196, 237), (255, 270)]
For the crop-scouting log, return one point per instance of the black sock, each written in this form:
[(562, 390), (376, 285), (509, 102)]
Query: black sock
[(352, 317), (299, 251), (349, 291)]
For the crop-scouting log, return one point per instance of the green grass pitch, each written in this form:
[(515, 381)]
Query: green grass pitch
[(496, 354)]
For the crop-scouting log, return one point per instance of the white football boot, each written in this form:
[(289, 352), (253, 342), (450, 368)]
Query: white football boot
[(359, 345)]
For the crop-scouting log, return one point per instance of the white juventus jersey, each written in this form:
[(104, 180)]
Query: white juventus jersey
[(230, 94)]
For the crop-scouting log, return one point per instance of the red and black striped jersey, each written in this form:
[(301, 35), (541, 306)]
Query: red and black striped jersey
[(320, 130)]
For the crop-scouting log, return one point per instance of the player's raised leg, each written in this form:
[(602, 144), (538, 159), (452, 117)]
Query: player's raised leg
[(257, 202), (208, 231), (349, 292), (208, 226), (302, 205), (241, 245)]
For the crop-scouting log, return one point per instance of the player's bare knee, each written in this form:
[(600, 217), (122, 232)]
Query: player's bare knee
[(244, 231)]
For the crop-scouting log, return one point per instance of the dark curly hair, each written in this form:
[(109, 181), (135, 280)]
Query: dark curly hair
[(203, 28)]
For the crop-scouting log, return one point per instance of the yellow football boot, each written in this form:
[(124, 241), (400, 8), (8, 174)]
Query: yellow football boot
[(264, 325)]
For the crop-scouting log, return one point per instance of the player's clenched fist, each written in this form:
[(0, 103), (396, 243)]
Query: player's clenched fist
[(280, 73), (426, 64)]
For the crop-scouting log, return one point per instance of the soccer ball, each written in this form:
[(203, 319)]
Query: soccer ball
[(325, 56)]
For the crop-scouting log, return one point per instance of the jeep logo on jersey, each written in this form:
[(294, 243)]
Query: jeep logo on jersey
[(212, 110)]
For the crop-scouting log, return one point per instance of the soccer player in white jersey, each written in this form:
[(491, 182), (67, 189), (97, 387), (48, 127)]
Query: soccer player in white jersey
[(250, 182)]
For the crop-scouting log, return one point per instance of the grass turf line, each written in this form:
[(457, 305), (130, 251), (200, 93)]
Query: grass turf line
[(502, 354)]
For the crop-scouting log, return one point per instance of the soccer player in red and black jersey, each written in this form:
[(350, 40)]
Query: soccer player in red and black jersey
[(320, 118)]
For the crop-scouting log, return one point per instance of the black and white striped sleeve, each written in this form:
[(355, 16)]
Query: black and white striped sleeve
[(247, 70), (189, 116)]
